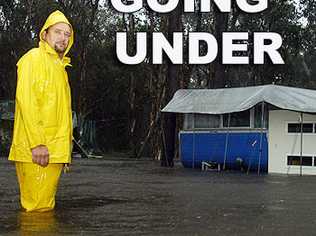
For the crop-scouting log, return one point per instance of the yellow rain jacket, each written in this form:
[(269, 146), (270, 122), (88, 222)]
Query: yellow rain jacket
[(43, 102)]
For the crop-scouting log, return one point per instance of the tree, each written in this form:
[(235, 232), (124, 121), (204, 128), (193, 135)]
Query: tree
[(125, 101)]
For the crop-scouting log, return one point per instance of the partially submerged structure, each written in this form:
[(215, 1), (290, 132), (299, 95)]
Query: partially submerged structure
[(264, 128)]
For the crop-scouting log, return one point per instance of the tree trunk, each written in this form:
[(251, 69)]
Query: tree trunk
[(221, 22), (169, 121)]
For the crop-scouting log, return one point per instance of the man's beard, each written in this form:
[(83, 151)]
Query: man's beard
[(59, 50)]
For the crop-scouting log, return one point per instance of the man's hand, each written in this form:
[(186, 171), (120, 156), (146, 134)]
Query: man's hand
[(40, 155)]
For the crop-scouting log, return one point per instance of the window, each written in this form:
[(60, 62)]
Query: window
[(201, 121), (207, 121), (296, 128), (188, 121), (245, 119), (237, 119), (295, 160), (258, 116)]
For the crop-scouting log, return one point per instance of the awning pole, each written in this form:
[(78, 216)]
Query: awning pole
[(226, 142), (301, 148), (193, 146), (261, 136)]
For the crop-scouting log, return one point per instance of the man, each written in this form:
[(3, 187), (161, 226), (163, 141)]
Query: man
[(42, 135)]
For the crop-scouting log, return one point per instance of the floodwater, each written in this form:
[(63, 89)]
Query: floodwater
[(138, 197)]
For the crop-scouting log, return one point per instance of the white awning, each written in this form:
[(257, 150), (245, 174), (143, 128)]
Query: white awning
[(228, 100)]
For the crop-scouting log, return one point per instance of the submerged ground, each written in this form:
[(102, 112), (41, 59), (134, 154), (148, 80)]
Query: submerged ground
[(128, 197)]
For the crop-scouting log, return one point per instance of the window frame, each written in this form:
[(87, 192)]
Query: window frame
[(299, 132), (312, 157)]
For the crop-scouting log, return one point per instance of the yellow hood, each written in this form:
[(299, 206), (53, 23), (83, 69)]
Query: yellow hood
[(54, 18)]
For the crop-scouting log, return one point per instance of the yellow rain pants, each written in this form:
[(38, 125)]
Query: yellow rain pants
[(38, 185)]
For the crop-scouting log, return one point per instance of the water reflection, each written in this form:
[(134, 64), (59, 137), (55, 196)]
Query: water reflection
[(33, 223)]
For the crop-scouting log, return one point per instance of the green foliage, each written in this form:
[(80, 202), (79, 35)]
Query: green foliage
[(111, 93)]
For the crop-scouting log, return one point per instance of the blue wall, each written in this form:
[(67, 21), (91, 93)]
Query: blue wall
[(211, 147)]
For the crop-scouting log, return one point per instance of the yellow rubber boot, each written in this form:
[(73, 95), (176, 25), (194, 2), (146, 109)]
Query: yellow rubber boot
[(38, 185)]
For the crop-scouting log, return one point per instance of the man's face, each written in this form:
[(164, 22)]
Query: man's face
[(57, 36)]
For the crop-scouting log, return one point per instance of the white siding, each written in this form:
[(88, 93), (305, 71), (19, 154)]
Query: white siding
[(282, 143)]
